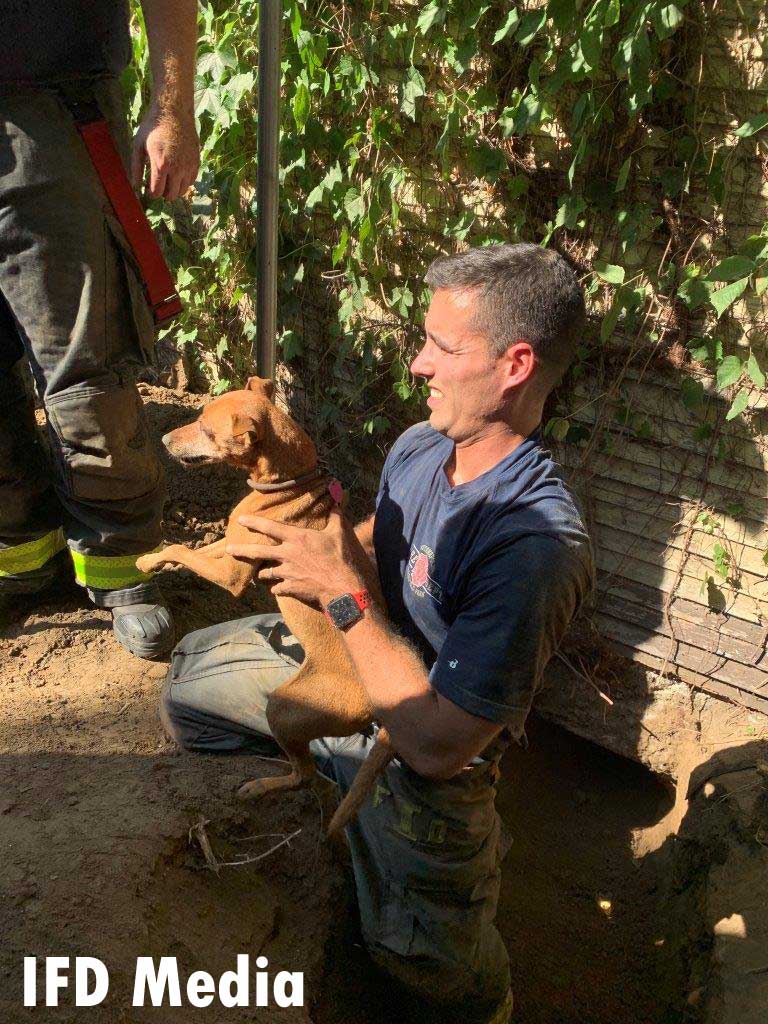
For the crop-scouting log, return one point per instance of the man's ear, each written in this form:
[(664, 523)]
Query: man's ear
[(262, 386)]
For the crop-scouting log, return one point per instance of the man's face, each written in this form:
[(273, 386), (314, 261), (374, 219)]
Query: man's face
[(466, 382)]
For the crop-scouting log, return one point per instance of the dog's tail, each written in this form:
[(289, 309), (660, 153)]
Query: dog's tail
[(362, 784)]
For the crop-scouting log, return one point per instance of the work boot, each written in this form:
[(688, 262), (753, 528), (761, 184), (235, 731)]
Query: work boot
[(146, 630)]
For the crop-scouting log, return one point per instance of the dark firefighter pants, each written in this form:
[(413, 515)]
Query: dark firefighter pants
[(425, 854), (72, 307)]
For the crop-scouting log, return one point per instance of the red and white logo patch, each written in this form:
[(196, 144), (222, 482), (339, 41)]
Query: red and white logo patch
[(420, 568)]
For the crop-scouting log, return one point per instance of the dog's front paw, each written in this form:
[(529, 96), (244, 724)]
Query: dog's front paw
[(151, 563)]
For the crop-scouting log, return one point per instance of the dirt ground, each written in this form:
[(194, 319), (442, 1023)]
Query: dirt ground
[(97, 857)]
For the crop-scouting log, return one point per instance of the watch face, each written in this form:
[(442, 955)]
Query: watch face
[(344, 611)]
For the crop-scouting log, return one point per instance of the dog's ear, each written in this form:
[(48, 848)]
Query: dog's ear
[(262, 386), (245, 432)]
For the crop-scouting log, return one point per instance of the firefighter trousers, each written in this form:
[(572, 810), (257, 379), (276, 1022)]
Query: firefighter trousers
[(72, 308)]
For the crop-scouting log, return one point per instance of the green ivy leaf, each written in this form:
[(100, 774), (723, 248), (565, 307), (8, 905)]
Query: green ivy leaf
[(413, 87), (721, 560), (591, 37), (754, 372), (609, 272), (612, 13), (208, 100), (752, 126), (340, 249), (731, 269), (354, 206), (291, 345), (725, 297), (528, 113), (739, 405), (692, 392), (623, 175), (301, 105), (728, 372), (666, 20), (577, 158), (334, 176), (568, 211), (429, 15), (562, 13), (509, 24), (530, 26), (694, 292), (557, 428), (611, 318), (295, 21), (216, 63)]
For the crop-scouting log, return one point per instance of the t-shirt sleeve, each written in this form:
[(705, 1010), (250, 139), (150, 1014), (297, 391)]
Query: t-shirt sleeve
[(517, 606)]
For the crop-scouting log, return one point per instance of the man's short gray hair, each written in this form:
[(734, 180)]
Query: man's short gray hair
[(525, 293)]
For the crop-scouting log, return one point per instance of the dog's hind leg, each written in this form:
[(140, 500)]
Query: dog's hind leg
[(300, 711), (293, 724), (302, 774)]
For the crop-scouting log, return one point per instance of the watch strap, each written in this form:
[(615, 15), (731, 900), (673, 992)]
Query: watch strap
[(361, 599)]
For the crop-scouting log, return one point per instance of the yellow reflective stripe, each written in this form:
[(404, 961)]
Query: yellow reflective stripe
[(108, 572), (32, 555), (504, 1012)]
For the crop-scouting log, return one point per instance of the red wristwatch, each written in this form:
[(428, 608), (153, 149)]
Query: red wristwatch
[(343, 612)]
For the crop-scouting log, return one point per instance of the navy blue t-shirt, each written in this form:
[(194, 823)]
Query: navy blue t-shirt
[(484, 577)]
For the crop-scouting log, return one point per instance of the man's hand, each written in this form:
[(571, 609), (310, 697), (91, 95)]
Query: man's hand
[(167, 136), (168, 141), (311, 565)]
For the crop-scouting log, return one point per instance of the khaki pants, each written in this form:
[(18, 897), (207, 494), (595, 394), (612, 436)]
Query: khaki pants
[(426, 855), (72, 307)]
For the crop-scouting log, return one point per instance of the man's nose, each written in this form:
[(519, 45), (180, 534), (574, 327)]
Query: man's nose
[(422, 365)]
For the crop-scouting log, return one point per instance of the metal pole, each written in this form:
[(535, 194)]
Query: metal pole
[(270, 18)]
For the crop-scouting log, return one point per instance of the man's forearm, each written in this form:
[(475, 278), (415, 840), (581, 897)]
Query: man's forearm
[(364, 534), (368, 567), (172, 37), (421, 723)]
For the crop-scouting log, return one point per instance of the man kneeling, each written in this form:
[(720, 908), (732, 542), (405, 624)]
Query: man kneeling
[(483, 561)]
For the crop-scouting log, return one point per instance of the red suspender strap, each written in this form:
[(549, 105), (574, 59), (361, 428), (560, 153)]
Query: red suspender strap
[(158, 283)]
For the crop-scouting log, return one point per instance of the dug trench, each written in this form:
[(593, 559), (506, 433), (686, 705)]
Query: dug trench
[(116, 846)]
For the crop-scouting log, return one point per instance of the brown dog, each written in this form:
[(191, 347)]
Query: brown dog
[(325, 697)]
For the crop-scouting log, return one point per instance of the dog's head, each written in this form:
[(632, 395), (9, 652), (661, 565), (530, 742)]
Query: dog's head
[(243, 428)]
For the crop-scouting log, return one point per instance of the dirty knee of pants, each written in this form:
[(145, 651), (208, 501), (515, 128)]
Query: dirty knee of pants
[(105, 445)]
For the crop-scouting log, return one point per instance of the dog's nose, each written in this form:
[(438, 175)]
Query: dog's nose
[(166, 439)]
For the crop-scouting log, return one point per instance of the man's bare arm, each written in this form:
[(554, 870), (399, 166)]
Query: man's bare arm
[(435, 736), (167, 136), (368, 566), (364, 533)]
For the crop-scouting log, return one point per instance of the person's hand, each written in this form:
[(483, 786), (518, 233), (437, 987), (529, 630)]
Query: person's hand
[(311, 565), (168, 141)]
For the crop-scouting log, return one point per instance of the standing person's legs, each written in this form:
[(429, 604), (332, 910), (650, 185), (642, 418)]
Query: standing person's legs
[(30, 514), (77, 309), (425, 854)]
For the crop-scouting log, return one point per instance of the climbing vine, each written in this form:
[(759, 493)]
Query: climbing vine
[(411, 129)]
